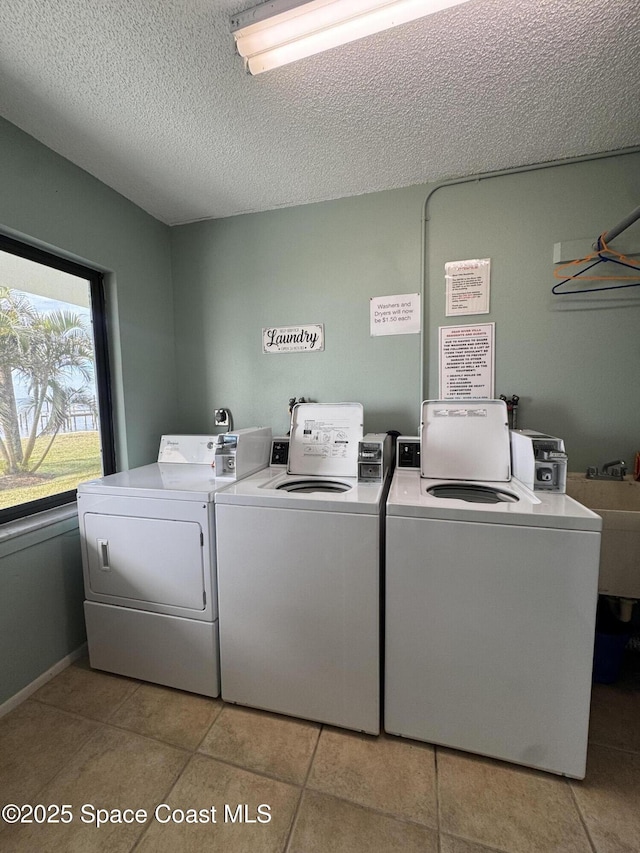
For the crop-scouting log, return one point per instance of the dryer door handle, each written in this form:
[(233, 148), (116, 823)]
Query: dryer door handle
[(103, 546)]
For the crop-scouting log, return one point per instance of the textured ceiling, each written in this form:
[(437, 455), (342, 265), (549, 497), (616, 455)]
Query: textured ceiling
[(150, 97)]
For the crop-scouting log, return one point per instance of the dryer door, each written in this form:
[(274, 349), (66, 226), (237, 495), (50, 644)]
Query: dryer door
[(149, 563)]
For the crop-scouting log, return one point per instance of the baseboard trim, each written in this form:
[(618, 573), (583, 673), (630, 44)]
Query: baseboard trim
[(23, 694)]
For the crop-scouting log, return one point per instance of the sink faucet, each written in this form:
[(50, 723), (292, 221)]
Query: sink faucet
[(614, 470)]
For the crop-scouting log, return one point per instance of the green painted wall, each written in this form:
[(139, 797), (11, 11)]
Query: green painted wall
[(53, 203), (573, 362), (41, 595), (56, 205), (319, 263)]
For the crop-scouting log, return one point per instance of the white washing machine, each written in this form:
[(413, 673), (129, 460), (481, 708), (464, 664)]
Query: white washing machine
[(491, 593), (299, 570), (148, 553)]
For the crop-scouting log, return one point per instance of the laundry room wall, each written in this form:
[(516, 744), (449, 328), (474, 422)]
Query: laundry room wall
[(572, 360), (47, 200), (320, 263)]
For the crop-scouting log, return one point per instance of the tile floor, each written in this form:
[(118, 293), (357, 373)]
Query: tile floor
[(90, 740)]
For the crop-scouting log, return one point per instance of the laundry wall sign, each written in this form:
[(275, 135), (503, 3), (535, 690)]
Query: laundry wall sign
[(395, 315), (293, 338), (467, 361), (467, 286)]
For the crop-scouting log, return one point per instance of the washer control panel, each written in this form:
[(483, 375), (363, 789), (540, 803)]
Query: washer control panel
[(188, 449), (408, 451), (279, 451)]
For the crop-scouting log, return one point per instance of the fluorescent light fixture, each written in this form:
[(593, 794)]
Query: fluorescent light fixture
[(284, 31)]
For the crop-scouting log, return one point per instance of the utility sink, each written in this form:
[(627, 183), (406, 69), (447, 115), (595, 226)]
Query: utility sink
[(618, 503)]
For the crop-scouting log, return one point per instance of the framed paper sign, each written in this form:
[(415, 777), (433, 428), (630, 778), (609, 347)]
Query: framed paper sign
[(395, 315), (467, 361), (293, 338), (467, 286)]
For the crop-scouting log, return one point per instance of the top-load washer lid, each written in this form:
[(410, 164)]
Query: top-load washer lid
[(465, 440), (324, 439)]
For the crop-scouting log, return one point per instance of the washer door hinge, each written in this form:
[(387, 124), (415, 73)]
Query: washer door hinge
[(201, 539), (204, 598)]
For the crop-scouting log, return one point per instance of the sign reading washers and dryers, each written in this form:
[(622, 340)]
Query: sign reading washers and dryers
[(395, 315), (293, 338)]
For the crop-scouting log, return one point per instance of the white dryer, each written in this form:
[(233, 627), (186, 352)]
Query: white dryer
[(491, 593), (299, 570), (148, 553)]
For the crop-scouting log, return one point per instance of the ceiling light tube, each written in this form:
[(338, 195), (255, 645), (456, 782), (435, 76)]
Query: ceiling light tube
[(284, 31)]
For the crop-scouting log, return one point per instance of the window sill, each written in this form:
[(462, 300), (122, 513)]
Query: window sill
[(26, 532)]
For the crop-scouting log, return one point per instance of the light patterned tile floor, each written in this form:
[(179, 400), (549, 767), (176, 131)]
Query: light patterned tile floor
[(166, 770)]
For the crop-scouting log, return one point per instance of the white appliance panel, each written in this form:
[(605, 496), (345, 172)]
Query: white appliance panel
[(158, 481), (178, 652), (489, 638), (300, 598), (324, 439), (146, 560), (266, 489), (410, 496), (188, 449), (465, 440)]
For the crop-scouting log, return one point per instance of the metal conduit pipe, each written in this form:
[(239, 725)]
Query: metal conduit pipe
[(621, 226)]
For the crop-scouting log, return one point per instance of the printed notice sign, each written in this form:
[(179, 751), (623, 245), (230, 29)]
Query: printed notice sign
[(467, 361), (467, 286), (395, 315), (293, 339)]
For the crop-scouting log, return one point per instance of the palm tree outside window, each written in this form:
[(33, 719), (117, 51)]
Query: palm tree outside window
[(55, 413)]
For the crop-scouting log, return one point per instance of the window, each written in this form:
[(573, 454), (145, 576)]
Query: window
[(55, 407)]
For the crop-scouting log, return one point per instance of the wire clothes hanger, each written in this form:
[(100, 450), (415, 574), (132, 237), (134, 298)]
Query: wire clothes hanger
[(602, 254)]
